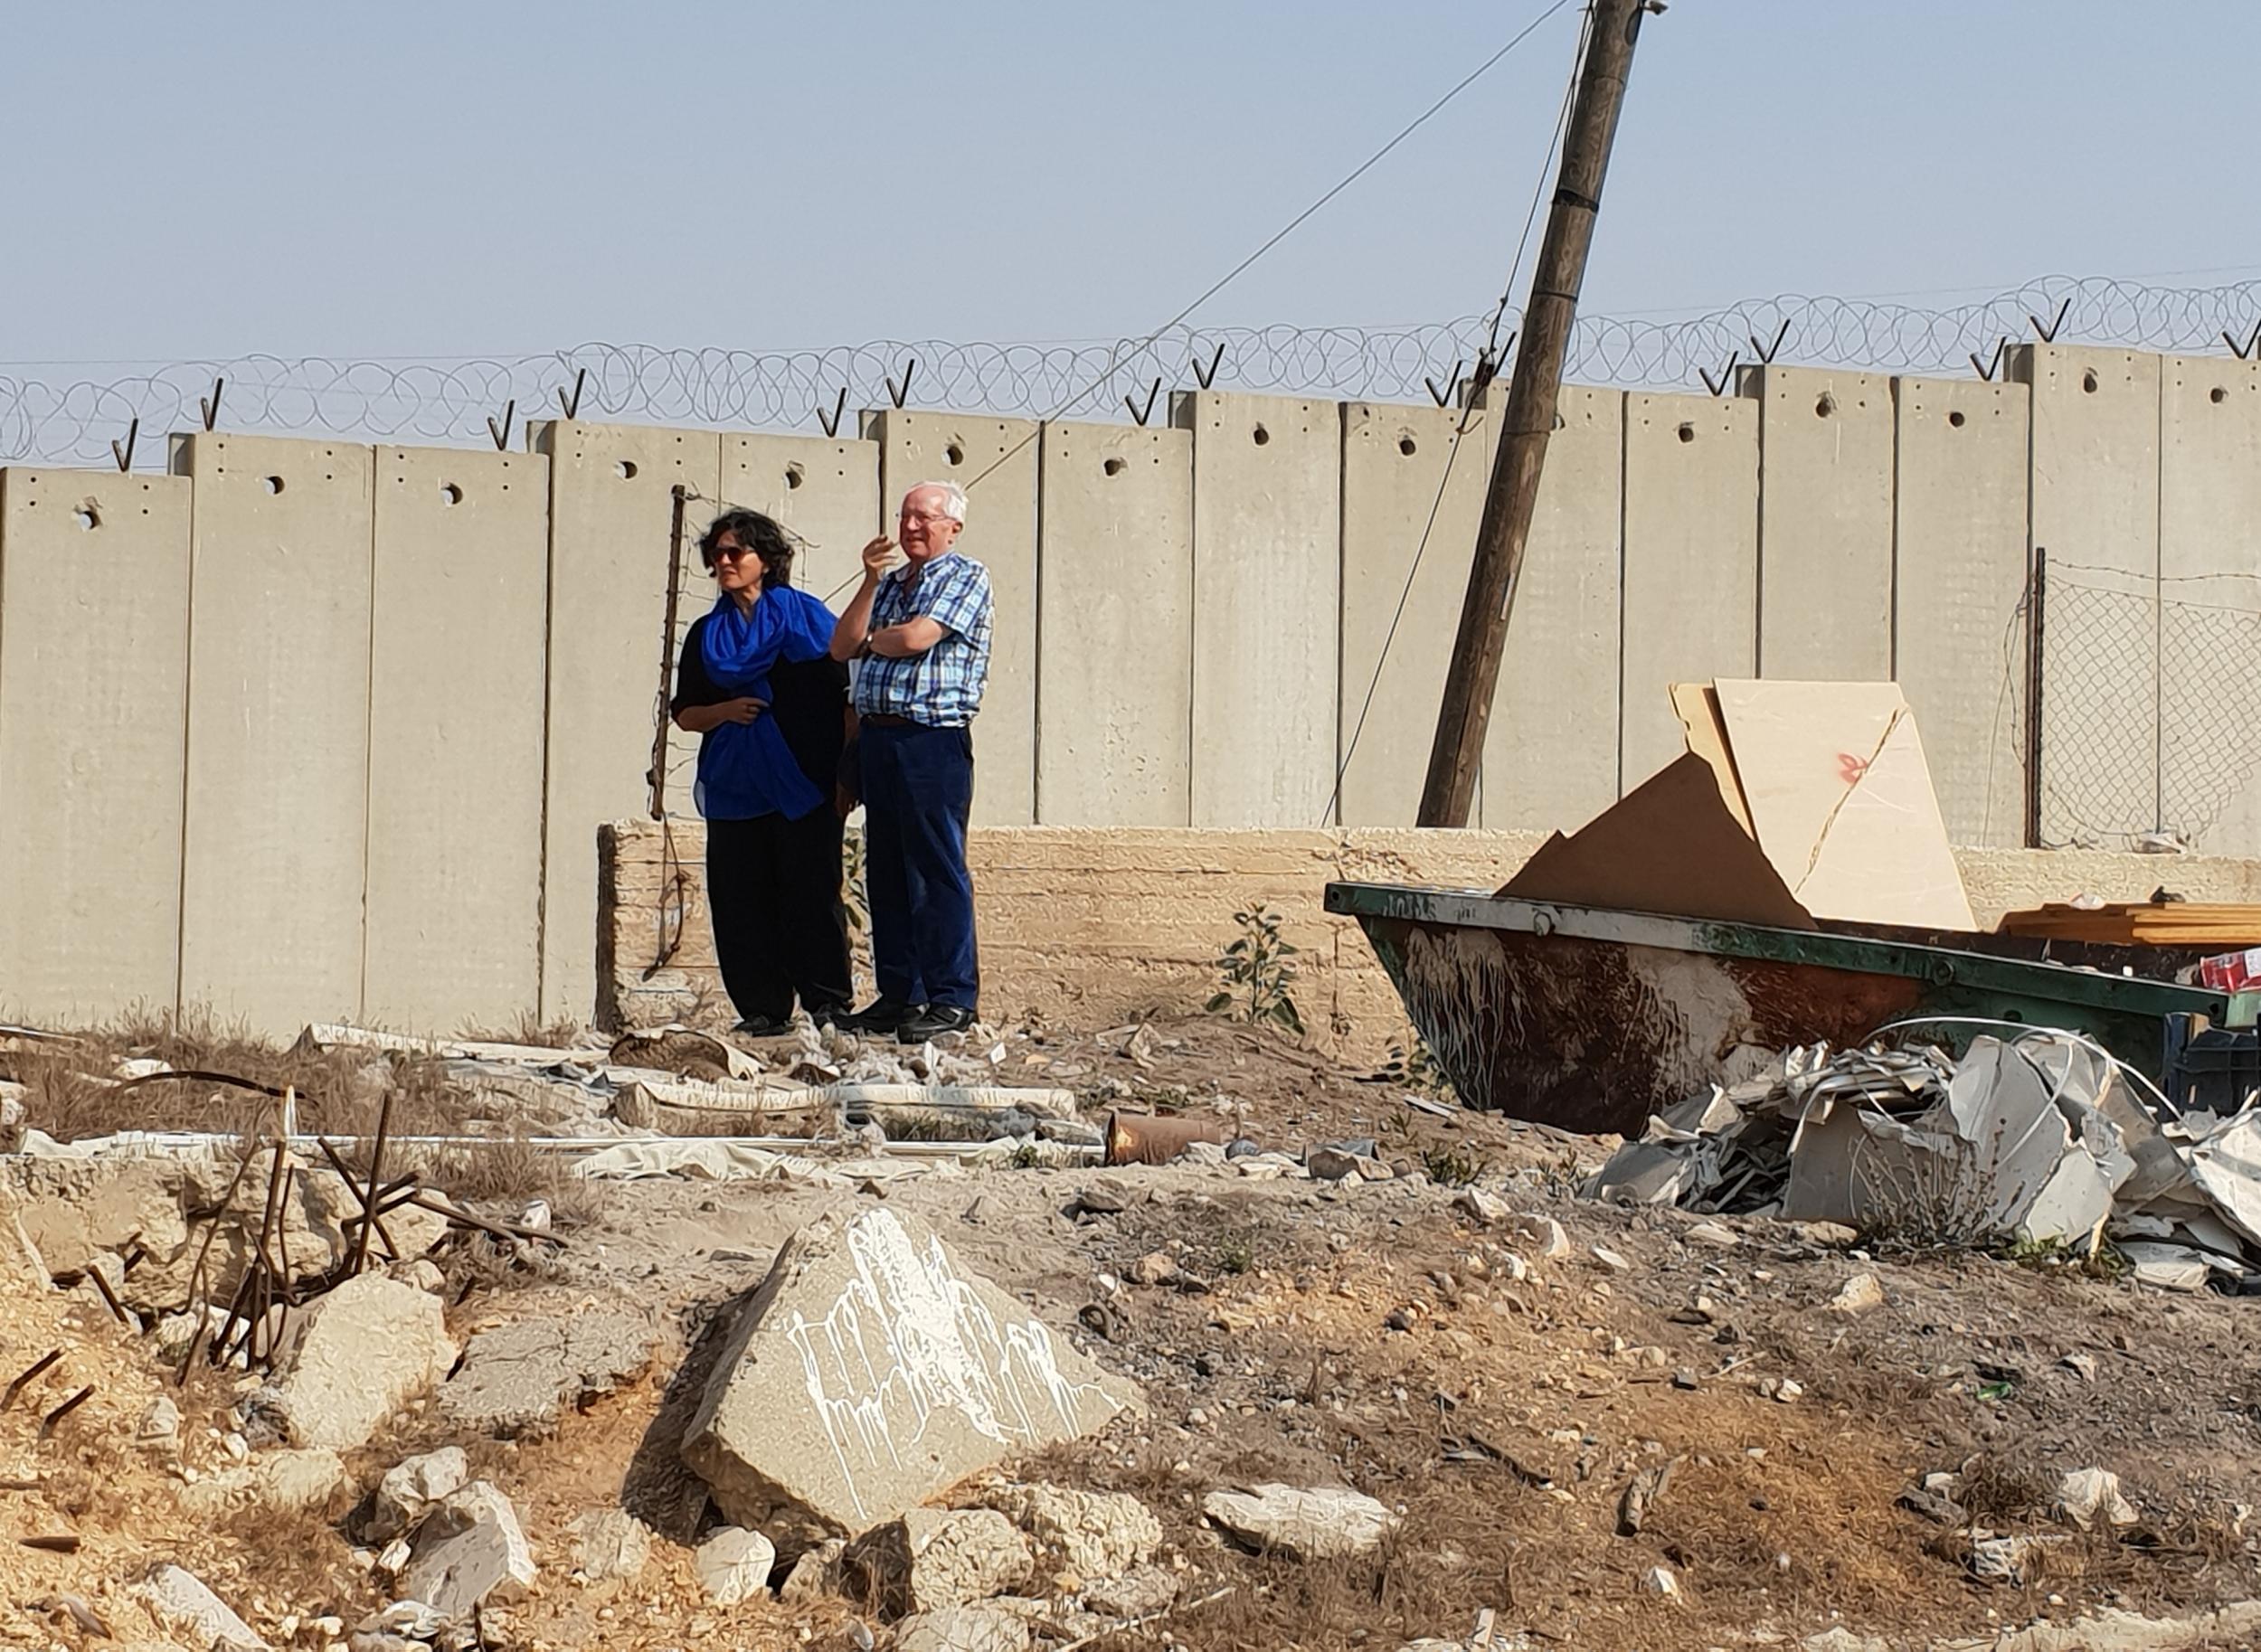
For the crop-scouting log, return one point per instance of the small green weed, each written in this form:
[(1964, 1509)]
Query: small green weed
[(1257, 970), (1236, 1252), (1451, 1166)]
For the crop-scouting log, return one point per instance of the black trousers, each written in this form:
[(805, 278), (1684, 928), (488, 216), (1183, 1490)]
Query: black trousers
[(773, 893)]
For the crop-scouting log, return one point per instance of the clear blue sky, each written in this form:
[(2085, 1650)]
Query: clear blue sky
[(428, 179)]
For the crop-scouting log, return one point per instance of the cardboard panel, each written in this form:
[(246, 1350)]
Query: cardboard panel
[(1396, 462), (2095, 511), (1550, 752), (2209, 569), (1959, 627), (278, 729), (1267, 606), (1691, 561), (996, 461), (93, 710), (1115, 627), (610, 507), (458, 626), (1824, 522)]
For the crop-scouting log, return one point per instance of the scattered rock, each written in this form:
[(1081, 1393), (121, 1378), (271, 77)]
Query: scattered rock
[(2087, 1495), (1609, 1258), (1155, 1267), (408, 1620), (423, 1273), (178, 1599), (1834, 1235), (410, 1486), (1099, 1534), (1330, 1164), (1717, 1234), (733, 1566), (871, 1371), (367, 1347), (1843, 1639), (2010, 1560), (609, 1543), (1862, 1294), (931, 1559), (1541, 1235), (816, 1573), (964, 1629), (1659, 1581), (518, 1376), (160, 1424), (1642, 1493), (294, 1481), (1327, 1522), (2083, 1365), (1488, 1208), (1933, 1506), (468, 1550), (1136, 1593)]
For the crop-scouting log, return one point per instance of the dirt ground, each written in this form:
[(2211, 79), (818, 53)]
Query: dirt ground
[(1371, 1334)]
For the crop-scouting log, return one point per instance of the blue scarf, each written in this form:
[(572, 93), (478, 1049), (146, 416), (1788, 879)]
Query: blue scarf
[(746, 770)]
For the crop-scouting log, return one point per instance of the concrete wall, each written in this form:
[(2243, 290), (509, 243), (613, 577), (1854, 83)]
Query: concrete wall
[(93, 710), (276, 822), (1267, 615), (1115, 647), (381, 704), (1959, 587), (1095, 926)]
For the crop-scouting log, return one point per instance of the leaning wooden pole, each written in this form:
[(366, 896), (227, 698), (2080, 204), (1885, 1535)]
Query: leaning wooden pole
[(1533, 392)]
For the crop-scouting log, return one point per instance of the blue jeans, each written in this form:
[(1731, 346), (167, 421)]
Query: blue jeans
[(918, 789)]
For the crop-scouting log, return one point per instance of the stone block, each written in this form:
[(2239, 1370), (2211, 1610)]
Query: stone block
[(871, 1371), (1094, 1534), (368, 1348), (410, 1486), (1328, 1523), (733, 1566), (931, 1559), (179, 1599), (964, 1629), (517, 1377), (609, 1542), (468, 1550)]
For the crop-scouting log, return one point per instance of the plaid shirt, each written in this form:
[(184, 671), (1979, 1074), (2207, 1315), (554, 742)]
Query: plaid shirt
[(942, 687)]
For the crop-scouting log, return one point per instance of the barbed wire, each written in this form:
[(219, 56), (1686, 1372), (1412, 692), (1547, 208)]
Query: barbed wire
[(67, 417)]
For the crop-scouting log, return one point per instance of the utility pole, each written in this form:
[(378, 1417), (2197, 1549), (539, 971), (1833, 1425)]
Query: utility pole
[(1532, 394)]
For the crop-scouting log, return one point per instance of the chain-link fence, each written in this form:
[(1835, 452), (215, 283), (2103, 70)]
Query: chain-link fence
[(56, 416)]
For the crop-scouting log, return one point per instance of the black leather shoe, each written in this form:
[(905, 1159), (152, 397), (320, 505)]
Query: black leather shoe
[(832, 1014), (933, 1022), (881, 1015), (762, 1026)]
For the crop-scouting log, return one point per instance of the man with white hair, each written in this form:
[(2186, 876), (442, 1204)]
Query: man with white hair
[(920, 633)]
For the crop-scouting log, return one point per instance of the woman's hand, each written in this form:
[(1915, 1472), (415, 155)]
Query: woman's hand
[(738, 711)]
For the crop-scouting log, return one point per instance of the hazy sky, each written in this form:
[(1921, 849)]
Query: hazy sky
[(431, 179)]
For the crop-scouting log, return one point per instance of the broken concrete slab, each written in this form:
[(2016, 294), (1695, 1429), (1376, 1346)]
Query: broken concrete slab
[(519, 1376), (1324, 1523), (1094, 1534), (1862, 1294), (410, 1486), (609, 1542), (2089, 1496), (367, 1347), (179, 1601), (469, 1550), (931, 1559), (964, 1629), (1140, 1593), (816, 1573), (733, 1566), (873, 1369)]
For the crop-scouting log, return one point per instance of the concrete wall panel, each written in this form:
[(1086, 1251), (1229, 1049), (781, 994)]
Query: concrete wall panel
[(1691, 561), (278, 729), (826, 491), (1551, 749), (93, 709), (2209, 567), (457, 633), (610, 508), (996, 460), (1959, 627), (1395, 460), (1267, 605), (2095, 511), (1115, 626), (1824, 524)]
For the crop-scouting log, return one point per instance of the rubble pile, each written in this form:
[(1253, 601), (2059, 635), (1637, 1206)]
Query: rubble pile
[(2034, 1137)]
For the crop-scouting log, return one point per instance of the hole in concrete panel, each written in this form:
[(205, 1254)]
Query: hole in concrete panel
[(1955, 420), (1688, 433), (955, 454), (1408, 446), (2217, 395), (1114, 466), (1261, 436), (1825, 406), (2088, 381), (625, 470), (450, 493), (794, 476), (87, 517), (273, 485)]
